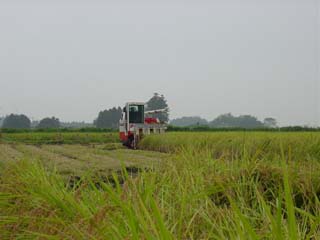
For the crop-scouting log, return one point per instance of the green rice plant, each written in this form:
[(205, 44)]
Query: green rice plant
[(60, 137), (219, 186), (302, 145)]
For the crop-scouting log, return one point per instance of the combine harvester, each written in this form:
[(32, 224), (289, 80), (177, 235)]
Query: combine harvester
[(135, 123)]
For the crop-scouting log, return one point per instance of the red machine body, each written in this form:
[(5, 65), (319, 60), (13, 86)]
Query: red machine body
[(151, 121)]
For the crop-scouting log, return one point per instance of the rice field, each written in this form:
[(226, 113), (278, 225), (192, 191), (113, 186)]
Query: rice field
[(220, 185), (59, 137), (79, 160)]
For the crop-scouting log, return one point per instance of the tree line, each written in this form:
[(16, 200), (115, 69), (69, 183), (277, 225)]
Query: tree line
[(21, 121), (107, 119), (226, 121)]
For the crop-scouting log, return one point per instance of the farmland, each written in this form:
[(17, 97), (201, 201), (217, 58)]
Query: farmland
[(58, 138), (219, 185)]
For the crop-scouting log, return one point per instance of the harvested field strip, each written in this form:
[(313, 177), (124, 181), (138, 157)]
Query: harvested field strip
[(78, 159), (89, 160), (63, 164), (9, 153), (99, 155), (121, 154), (59, 138)]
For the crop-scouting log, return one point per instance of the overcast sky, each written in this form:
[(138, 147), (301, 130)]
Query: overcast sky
[(71, 59)]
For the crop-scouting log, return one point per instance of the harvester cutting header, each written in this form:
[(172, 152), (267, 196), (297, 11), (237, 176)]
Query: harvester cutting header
[(136, 122)]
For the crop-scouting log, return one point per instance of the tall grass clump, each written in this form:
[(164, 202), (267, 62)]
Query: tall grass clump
[(203, 191)]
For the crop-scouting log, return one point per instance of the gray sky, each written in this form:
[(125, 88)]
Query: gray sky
[(71, 59)]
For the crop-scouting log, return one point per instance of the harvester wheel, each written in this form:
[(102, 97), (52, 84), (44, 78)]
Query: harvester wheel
[(130, 142)]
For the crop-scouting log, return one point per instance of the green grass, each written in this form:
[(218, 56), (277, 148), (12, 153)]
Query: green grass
[(211, 186), (59, 138)]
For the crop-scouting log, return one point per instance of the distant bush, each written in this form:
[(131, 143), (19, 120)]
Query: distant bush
[(298, 129), (188, 121), (49, 123), (16, 121), (88, 130), (265, 129), (230, 121)]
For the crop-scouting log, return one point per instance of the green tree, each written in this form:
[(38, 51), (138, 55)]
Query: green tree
[(188, 121), (230, 121), (49, 123), (108, 118), (248, 121), (158, 102), (224, 121), (270, 122), (16, 121)]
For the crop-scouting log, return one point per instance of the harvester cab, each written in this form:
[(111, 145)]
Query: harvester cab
[(135, 123)]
